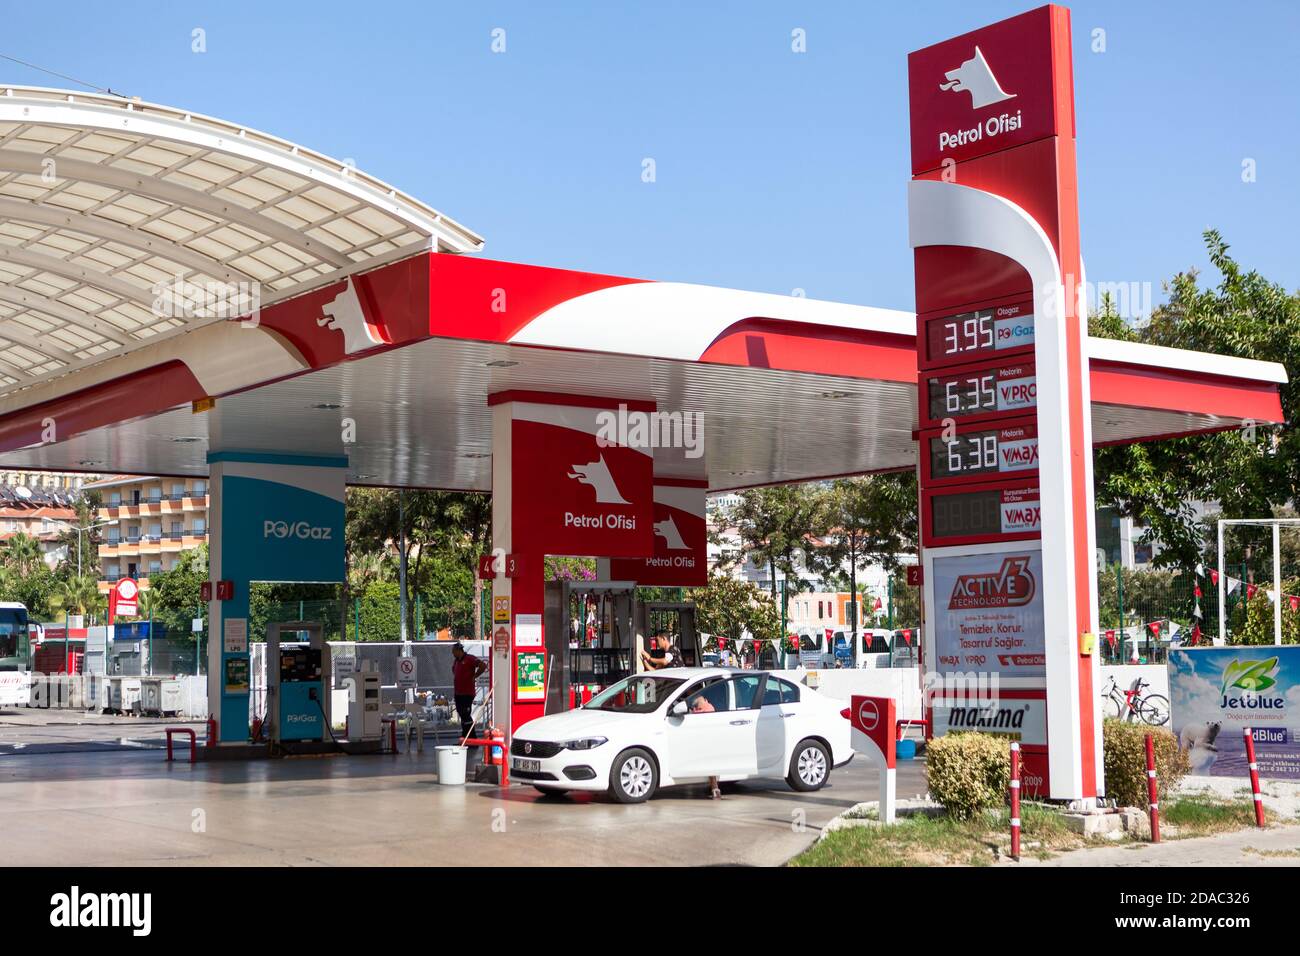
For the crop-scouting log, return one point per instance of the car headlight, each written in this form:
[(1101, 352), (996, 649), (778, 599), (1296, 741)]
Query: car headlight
[(583, 743)]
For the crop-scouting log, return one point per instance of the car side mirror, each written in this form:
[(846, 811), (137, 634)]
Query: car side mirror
[(678, 709)]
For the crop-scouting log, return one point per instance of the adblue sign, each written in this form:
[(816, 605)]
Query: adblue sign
[(1217, 692)]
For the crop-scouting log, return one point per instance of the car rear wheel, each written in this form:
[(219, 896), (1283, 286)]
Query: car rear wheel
[(810, 767), (634, 777)]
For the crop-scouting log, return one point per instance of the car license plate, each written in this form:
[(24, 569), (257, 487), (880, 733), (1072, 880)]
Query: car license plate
[(528, 766)]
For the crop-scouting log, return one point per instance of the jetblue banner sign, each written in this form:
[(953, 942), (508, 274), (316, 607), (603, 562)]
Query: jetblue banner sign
[(1217, 692), (282, 522)]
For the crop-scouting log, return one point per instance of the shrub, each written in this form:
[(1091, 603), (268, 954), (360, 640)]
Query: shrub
[(1125, 761), (969, 772)]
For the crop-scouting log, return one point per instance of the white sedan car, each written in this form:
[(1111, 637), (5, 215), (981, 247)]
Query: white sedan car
[(684, 725)]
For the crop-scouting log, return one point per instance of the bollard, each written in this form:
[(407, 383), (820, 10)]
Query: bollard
[(1015, 801), (1254, 777), (1152, 790)]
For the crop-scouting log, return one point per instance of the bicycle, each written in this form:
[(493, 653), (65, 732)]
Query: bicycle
[(1152, 709)]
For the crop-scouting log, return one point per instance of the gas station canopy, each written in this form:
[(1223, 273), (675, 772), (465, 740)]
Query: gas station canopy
[(363, 331)]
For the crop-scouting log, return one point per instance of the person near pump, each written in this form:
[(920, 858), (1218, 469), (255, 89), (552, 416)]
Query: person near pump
[(465, 671), (661, 654)]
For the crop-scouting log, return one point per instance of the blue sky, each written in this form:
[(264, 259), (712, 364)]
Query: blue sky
[(775, 170)]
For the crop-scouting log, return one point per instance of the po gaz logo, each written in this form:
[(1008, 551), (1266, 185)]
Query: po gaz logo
[(302, 530)]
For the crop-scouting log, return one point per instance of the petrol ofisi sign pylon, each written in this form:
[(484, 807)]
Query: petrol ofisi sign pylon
[(1006, 474)]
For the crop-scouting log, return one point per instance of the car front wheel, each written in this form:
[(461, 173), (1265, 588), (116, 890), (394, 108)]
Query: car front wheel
[(810, 767), (633, 778)]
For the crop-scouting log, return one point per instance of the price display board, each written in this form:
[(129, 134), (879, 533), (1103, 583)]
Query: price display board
[(979, 393), (980, 513), (993, 333), (980, 453)]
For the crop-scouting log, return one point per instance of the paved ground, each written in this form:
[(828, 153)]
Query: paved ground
[(129, 807), (26, 731), (1276, 846)]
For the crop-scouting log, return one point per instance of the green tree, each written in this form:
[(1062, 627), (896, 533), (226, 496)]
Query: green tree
[(23, 554), (729, 607), (777, 528), (438, 525), (78, 595), (1250, 471), (1252, 620), (868, 520)]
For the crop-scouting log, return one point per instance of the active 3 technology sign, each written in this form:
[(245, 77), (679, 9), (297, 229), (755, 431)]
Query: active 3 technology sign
[(988, 613), (1217, 692)]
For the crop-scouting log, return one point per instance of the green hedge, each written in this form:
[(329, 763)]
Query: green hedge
[(1125, 757), (969, 772)]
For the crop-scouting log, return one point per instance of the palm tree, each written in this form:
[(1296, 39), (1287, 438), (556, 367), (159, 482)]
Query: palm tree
[(148, 603), (363, 568), (22, 554), (77, 595)]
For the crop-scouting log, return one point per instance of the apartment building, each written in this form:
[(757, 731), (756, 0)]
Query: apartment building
[(60, 482), (42, 515), (153, 520)]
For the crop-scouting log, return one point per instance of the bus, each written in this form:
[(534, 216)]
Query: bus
[(15, 655)]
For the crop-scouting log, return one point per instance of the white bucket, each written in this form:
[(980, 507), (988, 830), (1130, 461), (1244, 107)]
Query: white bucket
[(451, 765)]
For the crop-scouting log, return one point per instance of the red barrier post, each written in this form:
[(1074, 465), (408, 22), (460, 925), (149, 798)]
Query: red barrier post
[(1152, 790), (1015, 800), (1254, 777)]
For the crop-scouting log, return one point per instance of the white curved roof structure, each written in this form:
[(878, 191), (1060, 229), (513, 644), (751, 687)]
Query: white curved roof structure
[(108, 204)]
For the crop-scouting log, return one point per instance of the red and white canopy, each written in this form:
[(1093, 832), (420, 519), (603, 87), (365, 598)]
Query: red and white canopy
[(376, 339)]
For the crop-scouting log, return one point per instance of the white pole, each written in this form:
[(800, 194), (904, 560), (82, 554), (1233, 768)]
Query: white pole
[(1223, 611), (1277, 584)]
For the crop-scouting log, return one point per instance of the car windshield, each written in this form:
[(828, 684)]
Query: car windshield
[(635, 695)]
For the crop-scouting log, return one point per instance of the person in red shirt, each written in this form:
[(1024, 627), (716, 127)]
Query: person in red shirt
[(465, 670)]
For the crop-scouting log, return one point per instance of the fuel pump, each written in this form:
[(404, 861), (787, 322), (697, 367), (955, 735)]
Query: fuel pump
[(590, 638), (677, 620), (363, 704), (298, 673)]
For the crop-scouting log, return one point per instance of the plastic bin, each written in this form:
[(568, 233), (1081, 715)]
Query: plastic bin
[(451, 766), (905, 749)]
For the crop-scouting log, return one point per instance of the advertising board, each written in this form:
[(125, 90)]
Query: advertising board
[(1217, 692), (987, 612)]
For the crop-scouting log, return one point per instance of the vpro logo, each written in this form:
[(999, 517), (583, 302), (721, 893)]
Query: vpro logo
[(299, 529)]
